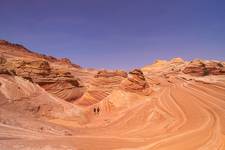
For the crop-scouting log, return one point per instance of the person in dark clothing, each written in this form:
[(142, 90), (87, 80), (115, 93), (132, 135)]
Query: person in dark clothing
[(98, 110), (95, 110)]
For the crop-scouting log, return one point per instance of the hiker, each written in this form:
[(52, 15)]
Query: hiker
[(98, 110), (95, 110)]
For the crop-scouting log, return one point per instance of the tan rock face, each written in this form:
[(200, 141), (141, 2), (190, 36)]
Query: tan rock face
[(161, 67), (177, 60), (135, 81), (58, 82), (12, 47), (101, 86), (3, 67), (31, 68), (41, 69), (105, 73), (195, 67), (66, 61), (18, 50), (215, 68), (2, 60), (201, 68)]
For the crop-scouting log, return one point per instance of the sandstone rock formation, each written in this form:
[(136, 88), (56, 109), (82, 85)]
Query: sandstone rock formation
[(101, 86), (3, 67), (105, 73), (215, 68), (58, 82), (18, 50), (135, 82), (161, 67), (170, 104), (203, 68), (177, 60)]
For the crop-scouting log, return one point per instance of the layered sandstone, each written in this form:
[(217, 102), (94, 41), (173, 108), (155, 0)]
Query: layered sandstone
[(58, 82), (203, 68), (17, 50), (171, 104), (162, 67), (101, 86), (135, 82), (105, 73)]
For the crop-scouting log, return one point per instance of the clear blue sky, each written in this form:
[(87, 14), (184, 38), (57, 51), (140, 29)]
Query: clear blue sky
[(120, 34)]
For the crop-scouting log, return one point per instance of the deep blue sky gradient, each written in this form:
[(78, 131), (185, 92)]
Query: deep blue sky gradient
[(121, 34)]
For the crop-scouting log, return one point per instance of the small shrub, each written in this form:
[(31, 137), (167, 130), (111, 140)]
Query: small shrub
[(206, 72), (220, 65)]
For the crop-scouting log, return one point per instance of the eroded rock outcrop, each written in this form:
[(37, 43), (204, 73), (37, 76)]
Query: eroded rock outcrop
[(135, 82), (215, 68), (101, 86), (105, 73), (18, 50), (203, 68), (58, 82), (161, 67), (3, 68), (177, 60)]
